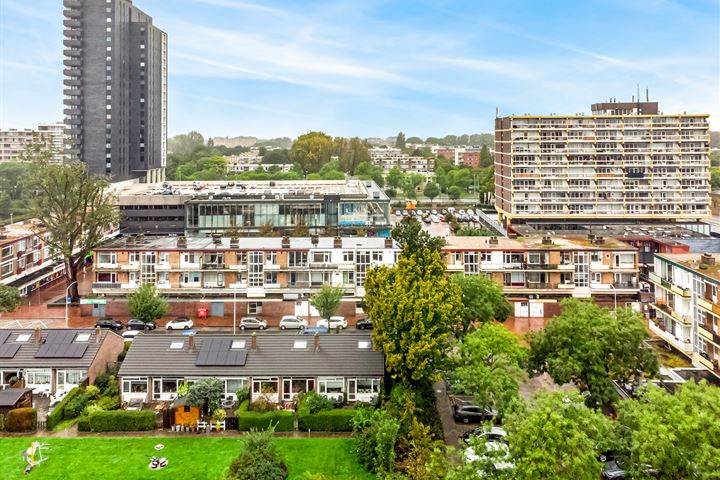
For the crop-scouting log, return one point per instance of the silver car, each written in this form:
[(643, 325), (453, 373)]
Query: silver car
[(292, 322)]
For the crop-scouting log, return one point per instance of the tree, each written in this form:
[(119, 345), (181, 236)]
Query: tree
[(591, 346), (486, 159), (557, 437), (311, 151), (259, 459), (715, 158), (414, 140), (205, 393), (276, 157), (395, 178), (185, 144), (432, 190), (352, 152), (9, 298), (327, 300), (483, 300), (77, 209), (490, 366), (715, 177), (413, 238), (678, 434), (454, 192), (368, 171), (413, 306), (145, 304), (400, 140)]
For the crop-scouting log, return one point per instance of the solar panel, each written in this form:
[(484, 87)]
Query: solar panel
[(59, 344), (217, 352), (4, 335), (9, 350)]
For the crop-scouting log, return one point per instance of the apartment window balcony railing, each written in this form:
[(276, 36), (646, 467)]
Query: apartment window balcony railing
[(625, 285), (514, 265), (540, 266), (299, 284), (106, 285), (539, 285), (214, 266)]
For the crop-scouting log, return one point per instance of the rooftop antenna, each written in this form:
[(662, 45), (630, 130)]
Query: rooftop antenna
[(497, 112), (647, 94)]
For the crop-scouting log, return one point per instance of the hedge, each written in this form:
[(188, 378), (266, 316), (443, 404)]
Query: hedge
[(282, 420), (58, 414), (118, 421), (339, 420), (83, 424), (21, 420)]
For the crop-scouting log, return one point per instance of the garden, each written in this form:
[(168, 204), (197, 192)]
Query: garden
[(188, 458)]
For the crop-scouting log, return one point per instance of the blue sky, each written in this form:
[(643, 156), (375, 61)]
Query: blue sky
[(373, 68)]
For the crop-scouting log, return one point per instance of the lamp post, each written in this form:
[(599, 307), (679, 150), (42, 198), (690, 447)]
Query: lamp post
[(615, 295), (234, 307), (67, 290)]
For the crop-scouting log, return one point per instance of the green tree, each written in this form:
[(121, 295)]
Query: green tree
[(413, 306), (591, 346), (352, 152), (486, 158), (678, 434), (454, 192), (281, 156), (413, 140), (413, 238), (77, 209), (483, 300), (311, 151), (395, 178), (557, 437), (450, 140), (203, 168), (400, 140), (431, 190), (368, 171), (185, 143), (490, 366), (206, 393), (9, 298), (715, 158), (715, 177), (327, 300), (145, 304), (259, 459)]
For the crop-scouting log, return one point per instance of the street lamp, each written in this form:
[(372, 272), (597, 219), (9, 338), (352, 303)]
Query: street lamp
[(615, 294), (67, 290)]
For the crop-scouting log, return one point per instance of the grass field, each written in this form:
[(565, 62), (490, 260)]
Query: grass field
[(188, 458)]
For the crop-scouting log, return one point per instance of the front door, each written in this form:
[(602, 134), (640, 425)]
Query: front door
[(352, 389), (98, 311)]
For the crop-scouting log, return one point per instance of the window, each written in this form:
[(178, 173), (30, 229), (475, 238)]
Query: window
[(348, 256), (300, 344), (165, 387), (364, 344), (82, 337), (108, 258), (471, 262), (271, 277), (331, 385), (188, 258), (23, 337), (237, 344), (254, 308), (7, 252), (298, 259), (176, 345), (255, 269), (320, 257), (232, 385), (134, 257), (39, 376), (537, 258), (596, 277), (191, 277), (164, 258), (135, 385), (368, 385), (74, 377)]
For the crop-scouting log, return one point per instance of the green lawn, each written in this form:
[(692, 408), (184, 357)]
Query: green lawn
[(192, 458)]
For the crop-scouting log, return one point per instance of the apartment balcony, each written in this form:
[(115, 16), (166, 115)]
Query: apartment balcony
[(106, 286), (72, 13), (706, 331), (190, 285), (238, 266), (625, 285), (73, 130), (540, 285), (72, 83), (567, 267), (72, 52), (163, 267), (541, 266), (299, 285), (514, 266), (72, 23), (323, 265), (660, 331), (72, 62), (71, 72), (72, 43), (72, 33), (599, 266), (130, 266), (106, 266), (163, 285), (189, 266), (683, 292), (71, 92), (704, 303), (72, 3), (273, 267), (214, 266)]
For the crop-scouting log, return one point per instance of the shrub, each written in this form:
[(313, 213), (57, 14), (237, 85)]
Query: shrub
[(327, 421), (243, 394), (92, 391), (90, 409), (109, 403), (102, 381), (119, 421), (313, 402), (205, 391), (262, 405), (21, 420), (58, 414), (75, 406), (375, 432), (281, 420), (83, 424), (259, 460), (2, 423)]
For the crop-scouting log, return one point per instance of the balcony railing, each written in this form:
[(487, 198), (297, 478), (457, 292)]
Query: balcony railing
[(214, 266), (625, 285), (106, 285)]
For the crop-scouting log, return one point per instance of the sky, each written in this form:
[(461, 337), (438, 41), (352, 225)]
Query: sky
[(373, 68)]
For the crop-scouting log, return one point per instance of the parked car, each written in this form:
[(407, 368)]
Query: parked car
[(434, 212), (426, 219), (470, 212), (497, 454), (364, 324), (420, 212), (292, 322), (108, 322), (129, 335), (405, 213), (435, 219), (179, 323), (398, 213), (335, 322), (467, 412), (252, 322), (137, 324), (615, 468), (495, 434)]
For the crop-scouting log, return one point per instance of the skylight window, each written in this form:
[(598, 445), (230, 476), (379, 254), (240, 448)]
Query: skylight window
[(82, 337), (23, 337), (176, 345), (300, 344), (364, 344), (236, 344)]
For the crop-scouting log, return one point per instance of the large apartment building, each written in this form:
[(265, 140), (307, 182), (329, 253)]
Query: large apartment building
[(26, 261), (205, 208), (538, 272), (115, 89), (270, 276), (13, 142), (389, 158), (686, 310), (625, 161)]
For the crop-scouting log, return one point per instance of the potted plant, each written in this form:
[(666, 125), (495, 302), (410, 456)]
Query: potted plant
[(218, 417)]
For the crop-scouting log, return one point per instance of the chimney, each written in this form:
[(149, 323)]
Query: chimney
[(547, 240), (591, 237), (337, 242), (129, 241), (181, 242), (97, 334), (285, 242), (599, 240), (317, 342), (707, 259), (234, 242), (493, 241), (253, 342), (37, 335), (191, 342), (315, 239), (389, 243)]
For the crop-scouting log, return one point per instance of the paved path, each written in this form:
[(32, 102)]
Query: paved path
[(451, 430)]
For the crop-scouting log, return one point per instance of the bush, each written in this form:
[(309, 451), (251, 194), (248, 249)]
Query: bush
[(102, 381), (327, 421), (109, 403), (83, 424), (90, 409), (313, 402), (243, 394), (2, 423), (21, 420), (92, 391), (119, 421), (75, 406), (282, 420), (58, 414), (262, 405), (259, 460)]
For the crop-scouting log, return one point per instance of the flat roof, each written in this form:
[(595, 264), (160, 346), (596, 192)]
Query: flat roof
[(351, 188), (691, 261), (156, 243), (559, 242), (275, 355), (632, 231), (18, 230)]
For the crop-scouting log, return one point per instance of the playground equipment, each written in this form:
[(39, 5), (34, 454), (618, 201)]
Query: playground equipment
[(36, 448), (157, 463)]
